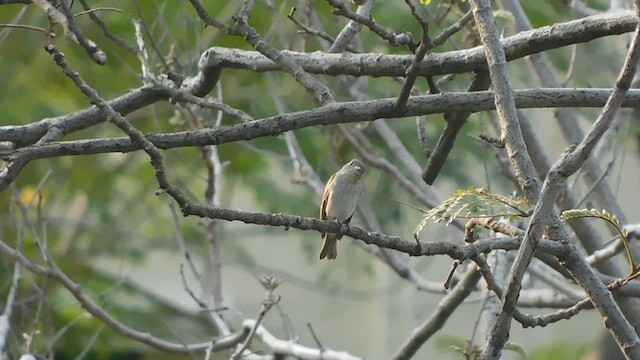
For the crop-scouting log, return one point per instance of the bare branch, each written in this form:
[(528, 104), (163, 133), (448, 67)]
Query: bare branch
[(445, 308)]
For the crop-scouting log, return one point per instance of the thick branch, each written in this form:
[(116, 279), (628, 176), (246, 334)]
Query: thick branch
[(568, 164), (336, 113), (452, 62)]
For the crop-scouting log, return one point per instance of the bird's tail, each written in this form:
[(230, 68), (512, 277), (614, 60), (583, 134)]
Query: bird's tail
[(329, 247)]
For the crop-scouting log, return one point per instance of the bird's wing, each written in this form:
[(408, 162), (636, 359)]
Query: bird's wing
[(328, 189)]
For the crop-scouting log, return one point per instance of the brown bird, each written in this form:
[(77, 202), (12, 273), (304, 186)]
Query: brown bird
[(339, 201)]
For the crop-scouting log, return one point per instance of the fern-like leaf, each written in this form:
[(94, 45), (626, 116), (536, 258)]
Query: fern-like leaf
[(473, 203), (611, 219), (509, 345)]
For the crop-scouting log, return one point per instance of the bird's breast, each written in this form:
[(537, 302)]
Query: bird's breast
[(343, 201)]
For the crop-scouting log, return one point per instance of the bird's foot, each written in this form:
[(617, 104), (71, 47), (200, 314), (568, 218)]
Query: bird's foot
[(344, 228)]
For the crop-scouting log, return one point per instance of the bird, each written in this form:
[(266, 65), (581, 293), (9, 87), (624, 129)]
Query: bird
[(339, 202)]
